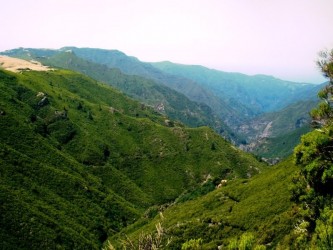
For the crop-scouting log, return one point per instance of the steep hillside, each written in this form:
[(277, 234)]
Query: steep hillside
[(236, 98), (259, 208), (79, 160), (273, 149)]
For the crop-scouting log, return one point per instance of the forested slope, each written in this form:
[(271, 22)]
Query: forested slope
[(79, 160)]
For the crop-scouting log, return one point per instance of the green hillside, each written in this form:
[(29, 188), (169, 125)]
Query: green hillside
[(164, 99), (290, 118), (83, 166), (234, 105), (79, 160), (286, 207), (259, 207), (280, 147)]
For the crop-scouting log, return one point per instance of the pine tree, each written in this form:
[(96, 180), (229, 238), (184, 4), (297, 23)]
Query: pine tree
[(313, 186)]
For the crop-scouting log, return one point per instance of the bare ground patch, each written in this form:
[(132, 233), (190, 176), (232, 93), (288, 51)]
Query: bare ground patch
[(17, 65)]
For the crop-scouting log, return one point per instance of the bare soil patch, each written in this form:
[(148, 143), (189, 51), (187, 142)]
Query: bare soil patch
[(18, 65)]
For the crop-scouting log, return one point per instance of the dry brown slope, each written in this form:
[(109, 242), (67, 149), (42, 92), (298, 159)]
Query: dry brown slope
[(17, 65)]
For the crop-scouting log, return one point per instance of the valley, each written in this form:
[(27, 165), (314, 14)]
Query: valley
[(235, 105), (102, 151)]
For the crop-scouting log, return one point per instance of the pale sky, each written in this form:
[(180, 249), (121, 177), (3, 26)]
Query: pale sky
[(275, 37)]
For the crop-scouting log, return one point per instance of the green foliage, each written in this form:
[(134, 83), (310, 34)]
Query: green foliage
[(197, 192), (259, 205), (314, 155), (246, 242), (80, 161), (323, 237), (193, 244), (323, 115), (312, 188), (281, 146)]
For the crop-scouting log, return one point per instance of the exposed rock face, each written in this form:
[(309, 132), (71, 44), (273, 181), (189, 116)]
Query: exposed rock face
[(301, 122), (44, 101), (160, 107)]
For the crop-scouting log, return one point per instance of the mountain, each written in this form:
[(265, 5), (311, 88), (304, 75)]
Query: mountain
[(230, 111), (260, 93), (80, 160), (251, 111), (281, 107), (235, 98), (162, 98)]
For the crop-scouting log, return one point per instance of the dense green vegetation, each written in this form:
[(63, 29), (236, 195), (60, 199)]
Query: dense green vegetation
[(79, 160), (259, 206), (259, 213), (286, 207), (312, 189), (83, 166)]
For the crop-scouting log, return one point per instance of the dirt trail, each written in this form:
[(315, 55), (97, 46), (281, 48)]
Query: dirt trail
[(266, 132)]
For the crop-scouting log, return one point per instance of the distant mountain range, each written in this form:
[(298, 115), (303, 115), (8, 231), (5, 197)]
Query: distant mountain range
[(233, 104)]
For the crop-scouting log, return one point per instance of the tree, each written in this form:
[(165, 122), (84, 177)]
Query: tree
[(313, 186), (315, 153), (323, 115)]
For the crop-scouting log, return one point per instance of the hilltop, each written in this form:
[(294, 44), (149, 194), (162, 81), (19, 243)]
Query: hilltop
[(17, 65)]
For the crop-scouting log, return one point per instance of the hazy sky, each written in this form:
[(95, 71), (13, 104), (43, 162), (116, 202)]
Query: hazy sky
[(275, 37)]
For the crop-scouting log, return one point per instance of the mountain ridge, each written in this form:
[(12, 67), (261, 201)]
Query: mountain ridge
[(166, 100), (236, 99)]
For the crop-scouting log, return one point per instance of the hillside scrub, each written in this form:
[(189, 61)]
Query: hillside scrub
[(259, 206), (78, 160)]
